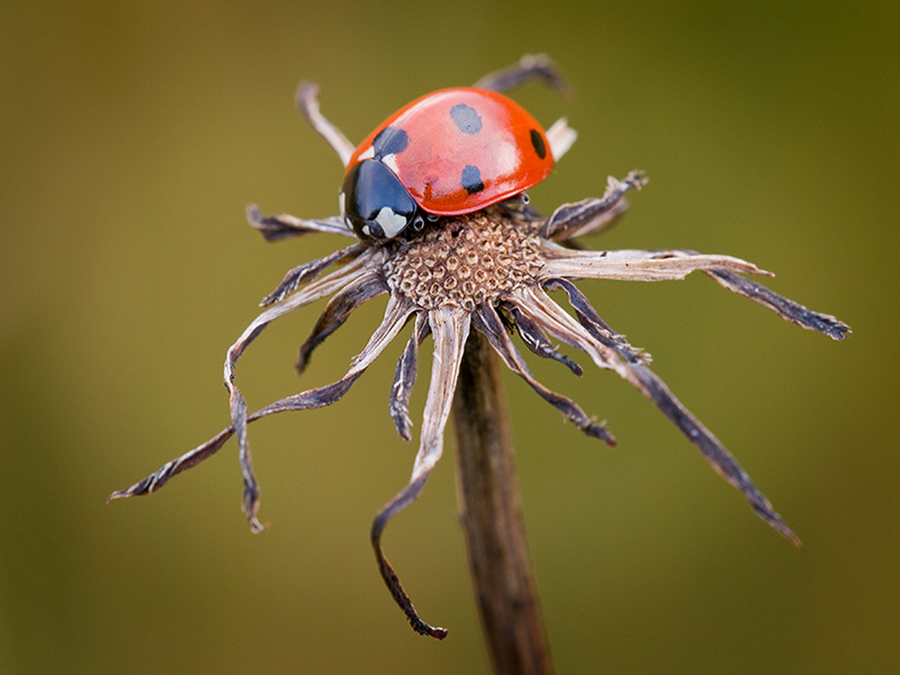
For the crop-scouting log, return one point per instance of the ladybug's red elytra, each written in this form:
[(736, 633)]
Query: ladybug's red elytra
[(450, 152)]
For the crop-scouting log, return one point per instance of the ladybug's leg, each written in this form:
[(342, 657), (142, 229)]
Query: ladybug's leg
[(308, 102), (530, 67), (592, 215)]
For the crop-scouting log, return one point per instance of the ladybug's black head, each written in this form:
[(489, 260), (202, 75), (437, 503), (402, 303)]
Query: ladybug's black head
[(374, 202)]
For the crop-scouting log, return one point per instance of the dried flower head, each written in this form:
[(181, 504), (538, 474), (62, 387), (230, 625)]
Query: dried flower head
[(490, 271)]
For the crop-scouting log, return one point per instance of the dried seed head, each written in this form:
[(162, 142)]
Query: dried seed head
[(464, 262)]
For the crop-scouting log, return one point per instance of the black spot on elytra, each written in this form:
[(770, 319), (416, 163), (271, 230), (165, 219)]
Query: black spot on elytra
[(471, 179), (538, 142), (389, 141), (465, 118)]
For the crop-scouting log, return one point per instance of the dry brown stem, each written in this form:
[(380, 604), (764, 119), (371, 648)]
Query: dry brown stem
[(491, 516)]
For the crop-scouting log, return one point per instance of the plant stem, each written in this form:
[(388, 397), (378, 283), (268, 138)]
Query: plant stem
[(491, 516)]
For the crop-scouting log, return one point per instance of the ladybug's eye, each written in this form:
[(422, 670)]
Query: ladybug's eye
[(375, 203)]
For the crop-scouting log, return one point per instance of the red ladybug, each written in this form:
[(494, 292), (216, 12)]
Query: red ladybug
[(450, 152)]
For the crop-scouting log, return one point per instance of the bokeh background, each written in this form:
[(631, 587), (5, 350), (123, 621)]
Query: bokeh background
[(132, 137)]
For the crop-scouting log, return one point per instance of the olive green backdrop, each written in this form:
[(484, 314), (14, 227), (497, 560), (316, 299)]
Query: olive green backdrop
[(133, 135)]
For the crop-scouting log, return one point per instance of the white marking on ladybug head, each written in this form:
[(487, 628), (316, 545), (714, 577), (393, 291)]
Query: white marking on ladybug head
[(368, 154), (342, 202), (391, 162), (391, 223)]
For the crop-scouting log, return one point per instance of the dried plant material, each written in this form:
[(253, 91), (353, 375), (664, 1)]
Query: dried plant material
[(475, 270), (491, 272)]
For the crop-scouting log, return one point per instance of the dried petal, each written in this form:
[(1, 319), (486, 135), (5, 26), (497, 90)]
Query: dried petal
[(450, 328), (636, 265), (592, 215), (276, 228), (487, 321), (536, 340), (307, 272), (405, 377), (308, 102), (529, 67), (787, 309), (597, 327), (557, 322), (314, 398), (398, 310), (338, 309)]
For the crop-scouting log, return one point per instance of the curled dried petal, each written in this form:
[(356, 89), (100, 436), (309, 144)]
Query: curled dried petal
[(396, 313), (592, 215), (450, 328), (314, 398), (308, 103), (529, 67)]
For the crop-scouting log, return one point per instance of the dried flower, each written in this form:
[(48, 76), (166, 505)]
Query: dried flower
[(490, 271)]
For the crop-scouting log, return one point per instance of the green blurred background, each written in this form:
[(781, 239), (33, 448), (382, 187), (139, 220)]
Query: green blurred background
[(133, 136)]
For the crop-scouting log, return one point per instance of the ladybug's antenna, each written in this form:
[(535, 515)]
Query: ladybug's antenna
[(308, 102)]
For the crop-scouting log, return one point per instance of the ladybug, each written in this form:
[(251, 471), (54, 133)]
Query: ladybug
[(450, 152)]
